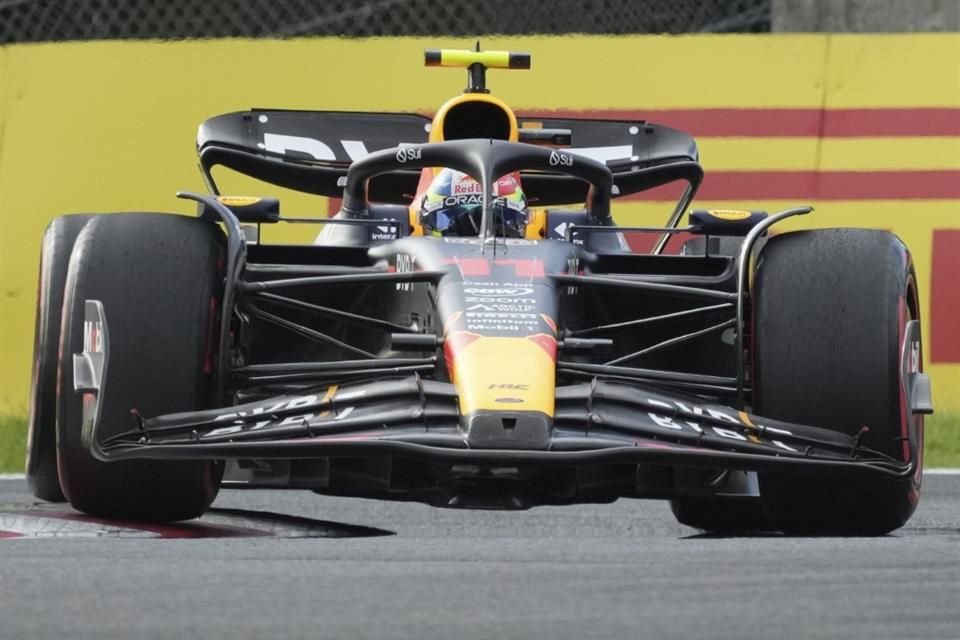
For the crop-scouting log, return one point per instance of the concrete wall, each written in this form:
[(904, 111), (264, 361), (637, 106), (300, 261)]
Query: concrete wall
[(864, 16), (867, 128)]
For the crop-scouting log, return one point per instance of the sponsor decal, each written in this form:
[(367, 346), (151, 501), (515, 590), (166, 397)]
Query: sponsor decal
[(467, 187), (356, 149), (298, 145), (605, 154), (561, 229), (288, 421), (405, 264), (729, 214), (498, 292), (506, 184), (497, 321), (507, 308), (495, 306), (469, 199), (383, 233), (297, 402), (405, 154), (460, 201), (560, 159), (502, 316), (477, 303), (238, 201), (314, 148), (510, 386), (690, 423)]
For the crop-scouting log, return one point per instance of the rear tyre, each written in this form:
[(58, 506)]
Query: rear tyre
[(41, 463), (157, 277), (830, 308)]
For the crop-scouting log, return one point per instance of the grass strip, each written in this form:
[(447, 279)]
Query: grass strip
[(941, 446), (13, 441)]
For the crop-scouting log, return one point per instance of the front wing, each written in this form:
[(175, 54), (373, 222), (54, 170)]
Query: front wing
[(598, 422)]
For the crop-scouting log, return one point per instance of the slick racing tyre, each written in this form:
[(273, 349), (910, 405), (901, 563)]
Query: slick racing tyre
[(721, 515), (157, 278), (830, 308), (41, 464)]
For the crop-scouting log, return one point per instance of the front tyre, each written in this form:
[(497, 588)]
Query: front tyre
[(157, 277), (830, 311), (41, 463), (721, 515)]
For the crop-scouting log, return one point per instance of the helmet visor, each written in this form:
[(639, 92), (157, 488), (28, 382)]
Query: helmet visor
[(509, 218)]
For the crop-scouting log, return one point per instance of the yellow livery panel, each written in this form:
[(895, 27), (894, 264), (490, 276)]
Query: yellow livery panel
[(503, 373)]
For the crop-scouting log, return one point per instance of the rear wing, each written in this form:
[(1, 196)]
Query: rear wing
[(310, 151)]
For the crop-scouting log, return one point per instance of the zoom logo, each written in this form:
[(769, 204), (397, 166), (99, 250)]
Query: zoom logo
[(501, 292)]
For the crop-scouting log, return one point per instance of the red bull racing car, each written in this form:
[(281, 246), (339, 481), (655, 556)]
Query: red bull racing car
[(758, 381)]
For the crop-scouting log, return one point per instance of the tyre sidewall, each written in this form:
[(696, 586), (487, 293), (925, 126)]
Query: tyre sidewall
[(827, 352), (125, 268), (41, 454)]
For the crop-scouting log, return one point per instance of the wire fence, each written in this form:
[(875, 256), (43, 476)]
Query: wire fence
[(58, 20)]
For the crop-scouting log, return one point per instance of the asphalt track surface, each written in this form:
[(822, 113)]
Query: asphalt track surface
[(369, 569)]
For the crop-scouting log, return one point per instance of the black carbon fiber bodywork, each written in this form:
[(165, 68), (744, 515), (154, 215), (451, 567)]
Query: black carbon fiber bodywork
[(335, 362)]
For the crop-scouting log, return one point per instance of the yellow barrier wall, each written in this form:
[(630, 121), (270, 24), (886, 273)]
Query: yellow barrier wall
[(105, 126)]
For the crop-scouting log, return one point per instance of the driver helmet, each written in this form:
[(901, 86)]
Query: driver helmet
[(453, 206)]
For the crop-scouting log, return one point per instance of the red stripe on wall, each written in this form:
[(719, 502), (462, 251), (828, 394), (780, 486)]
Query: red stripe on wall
[(818, 185), (333, 206), (870, 123), (470, 266), (644, 242), (785, 122), (945, 297)]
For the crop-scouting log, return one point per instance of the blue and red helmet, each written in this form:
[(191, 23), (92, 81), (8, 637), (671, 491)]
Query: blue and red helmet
[(453, 206)]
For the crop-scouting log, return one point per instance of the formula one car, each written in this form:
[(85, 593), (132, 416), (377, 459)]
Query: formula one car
[(758, 381)]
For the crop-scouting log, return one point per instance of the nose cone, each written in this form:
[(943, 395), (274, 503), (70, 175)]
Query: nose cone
[(507, 429), (503, 374)]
